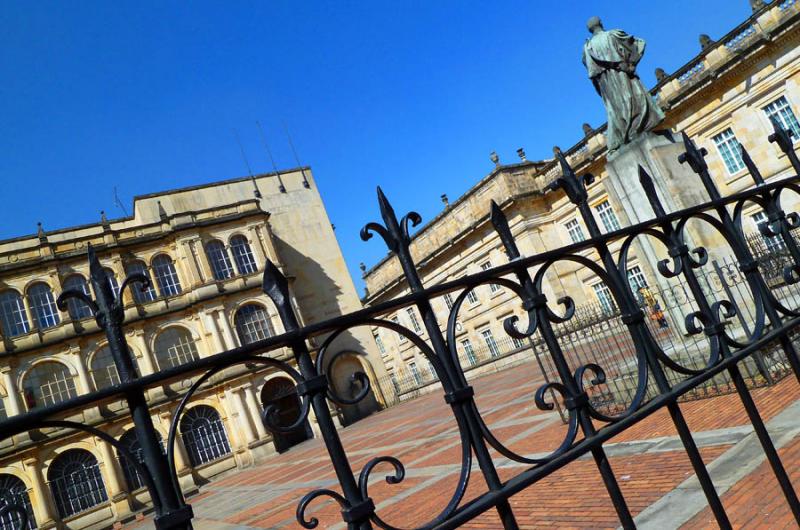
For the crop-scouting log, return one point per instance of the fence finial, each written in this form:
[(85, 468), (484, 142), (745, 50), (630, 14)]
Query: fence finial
[(275, 285), (755, 174), (650, 190)]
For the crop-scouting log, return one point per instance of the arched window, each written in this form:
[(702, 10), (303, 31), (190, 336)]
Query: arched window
[(219, 260), (245, 262), (204, 435), (14, 493), (77, 309), (76, 482), (43, 305), (173, 347), (166, 276), (148, 294), (104, 371), (12, 311), (131, 443), (48, 383), (252, 323)]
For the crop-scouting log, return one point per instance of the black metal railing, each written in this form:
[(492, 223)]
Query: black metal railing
[(727, 335)]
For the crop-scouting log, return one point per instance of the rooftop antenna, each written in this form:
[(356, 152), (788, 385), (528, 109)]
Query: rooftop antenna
[(281, 187), (296, 158), (247, 164), (119, 203)]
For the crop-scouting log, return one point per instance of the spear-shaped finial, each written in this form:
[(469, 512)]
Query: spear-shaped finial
[(693, 156), (574, 187), (500, 223), (755, 174), (650, 191)]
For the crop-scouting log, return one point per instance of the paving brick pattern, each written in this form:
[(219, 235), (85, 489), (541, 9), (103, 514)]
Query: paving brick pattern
[(647, 460)]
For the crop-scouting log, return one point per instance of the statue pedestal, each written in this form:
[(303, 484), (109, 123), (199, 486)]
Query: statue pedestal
[(677, 188), (675, 183)]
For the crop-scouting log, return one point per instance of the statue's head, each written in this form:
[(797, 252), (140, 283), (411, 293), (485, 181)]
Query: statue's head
[(594, 25)]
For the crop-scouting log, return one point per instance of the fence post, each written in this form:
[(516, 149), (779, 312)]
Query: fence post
[(109, 311)]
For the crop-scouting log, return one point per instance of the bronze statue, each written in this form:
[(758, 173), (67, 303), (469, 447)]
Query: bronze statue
[(610, 58)]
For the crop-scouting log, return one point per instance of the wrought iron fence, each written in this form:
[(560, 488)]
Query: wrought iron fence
[(726, 336)]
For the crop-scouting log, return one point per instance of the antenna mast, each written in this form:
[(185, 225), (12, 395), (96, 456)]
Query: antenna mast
[(271, 159), (296, 158), (247, 165), (119, 202)]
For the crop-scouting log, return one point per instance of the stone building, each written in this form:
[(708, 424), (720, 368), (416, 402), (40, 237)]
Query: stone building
[(204, 249), (725, 95)]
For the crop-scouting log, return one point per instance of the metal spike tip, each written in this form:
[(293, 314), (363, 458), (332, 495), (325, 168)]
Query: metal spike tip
[(751, 166), (385, 207)]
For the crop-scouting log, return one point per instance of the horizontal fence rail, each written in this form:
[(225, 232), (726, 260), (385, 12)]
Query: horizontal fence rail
[(727, 323)]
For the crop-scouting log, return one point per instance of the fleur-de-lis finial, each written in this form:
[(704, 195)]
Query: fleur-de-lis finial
[(275, 285), (573, 186), (395, 234), (696, 159), (107, 306), (783, 138)]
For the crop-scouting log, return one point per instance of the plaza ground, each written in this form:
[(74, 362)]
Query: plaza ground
[(647, 459)]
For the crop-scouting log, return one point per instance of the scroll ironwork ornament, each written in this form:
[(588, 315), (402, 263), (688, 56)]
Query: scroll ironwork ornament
[(109, 311)]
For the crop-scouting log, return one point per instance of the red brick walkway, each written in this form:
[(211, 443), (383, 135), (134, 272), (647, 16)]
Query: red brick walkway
[(647, 460)]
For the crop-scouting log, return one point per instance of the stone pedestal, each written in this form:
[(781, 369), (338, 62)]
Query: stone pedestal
[(675, 183), (677, 188)]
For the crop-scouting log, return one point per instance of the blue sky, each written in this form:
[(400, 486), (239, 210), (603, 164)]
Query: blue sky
[(412, 96)]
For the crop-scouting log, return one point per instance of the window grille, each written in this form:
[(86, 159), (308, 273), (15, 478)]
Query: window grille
[(104, 371), (173, 347), (472, 297), (204, 435), (243, 255), (48, 383), (491, 344), (782, 112), (493, 287), (76, 308), (14, 493), (379, 342), (575, 231), (636, 279), (131, 443), (412, 316), (12, 310), (252, 323), (166, 276), (729, 150), (414, 371), (221, 265), (43, 306), (148, 294), (607, 216), (448, 300), (469, 351), (76, 482), (603, 294)]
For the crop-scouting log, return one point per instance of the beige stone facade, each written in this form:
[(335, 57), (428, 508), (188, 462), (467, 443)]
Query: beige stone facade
[(726, 94), (204, 248)]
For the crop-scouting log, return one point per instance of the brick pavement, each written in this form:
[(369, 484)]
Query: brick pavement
[(653, 470)]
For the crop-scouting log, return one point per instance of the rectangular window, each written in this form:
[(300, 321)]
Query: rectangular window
[(472, 298), (575, 231), (517, 343), (607, 216), (603, 294), (395, 384), (414, 371), (396, 320), (431, 369), (636, 279), (780, 111), (728, 147), (379, 342), (469, 351), (485, 266), (491, 344), (773, 243), (412, 316)]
